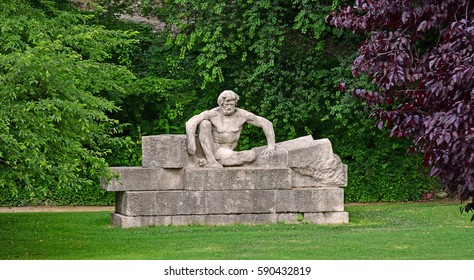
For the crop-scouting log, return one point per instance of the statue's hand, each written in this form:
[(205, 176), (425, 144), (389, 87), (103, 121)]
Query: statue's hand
[(191, 147), (270, 150)]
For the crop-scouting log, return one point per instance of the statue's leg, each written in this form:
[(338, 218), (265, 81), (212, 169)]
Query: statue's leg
[(238, 158), (207, 144)]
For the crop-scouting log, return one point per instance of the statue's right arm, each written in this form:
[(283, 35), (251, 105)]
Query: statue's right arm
[(191, 126)]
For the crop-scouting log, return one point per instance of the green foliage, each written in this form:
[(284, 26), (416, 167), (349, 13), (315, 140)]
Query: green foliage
[(286, 63), (276, 55), (379, 171), (55, 90), (64, 95), (156, 102)]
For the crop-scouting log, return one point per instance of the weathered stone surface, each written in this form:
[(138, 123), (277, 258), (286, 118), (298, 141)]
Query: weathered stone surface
[(314, 164), (166, 151), (297, 142), (143, 179), (124, 221), (170, 203), (215, 220), (301, 150), (251, 219), (330, 172), (298, 180), (310, 200), (180, 203), (161, 203), (132, 203), (183, 220), (137, 203), (327, 218), (278, 159), (237, 178), (290, 218), (243, 202)]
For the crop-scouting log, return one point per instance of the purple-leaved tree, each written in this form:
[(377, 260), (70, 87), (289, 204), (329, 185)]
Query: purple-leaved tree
[(420, 55)]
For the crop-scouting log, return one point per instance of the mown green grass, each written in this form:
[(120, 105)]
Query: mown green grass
[(390, 231)]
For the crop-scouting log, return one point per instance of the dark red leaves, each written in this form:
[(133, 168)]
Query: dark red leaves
[(420, 56)]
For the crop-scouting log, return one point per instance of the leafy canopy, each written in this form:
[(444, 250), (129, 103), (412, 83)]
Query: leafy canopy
[(286, 63), (56, 81)]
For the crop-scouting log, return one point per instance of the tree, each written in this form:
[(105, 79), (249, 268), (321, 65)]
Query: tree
[(285, 62), (57, 81), (420, 57), (276, 54)]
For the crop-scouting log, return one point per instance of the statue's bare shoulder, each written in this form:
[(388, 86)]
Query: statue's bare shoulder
[(205, 115), (244, 114), (210, 113)]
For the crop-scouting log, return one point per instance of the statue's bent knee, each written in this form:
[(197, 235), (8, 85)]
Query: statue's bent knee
[(205, 125), (249, 156)]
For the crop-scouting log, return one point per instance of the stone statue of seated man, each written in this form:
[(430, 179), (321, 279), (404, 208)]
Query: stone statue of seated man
[(219, 132)]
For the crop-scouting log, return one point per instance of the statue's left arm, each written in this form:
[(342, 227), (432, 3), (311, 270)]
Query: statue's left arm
[(267, 127)]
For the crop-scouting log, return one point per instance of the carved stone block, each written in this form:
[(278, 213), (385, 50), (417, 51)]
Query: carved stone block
[(180, 203), (330, 172), (162, 203), (166, 151), (133, 203), (301, 150), (327, 218), (300, 182), (278, 159), (237, 178), (243, 202), (144, 179), (310, 200)]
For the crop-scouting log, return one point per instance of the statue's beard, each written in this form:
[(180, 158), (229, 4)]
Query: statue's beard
[(228, 112)]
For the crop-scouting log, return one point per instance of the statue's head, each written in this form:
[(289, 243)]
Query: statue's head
[(227, 101)]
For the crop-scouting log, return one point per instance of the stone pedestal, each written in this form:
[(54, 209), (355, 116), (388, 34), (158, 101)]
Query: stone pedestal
[(302, 182)]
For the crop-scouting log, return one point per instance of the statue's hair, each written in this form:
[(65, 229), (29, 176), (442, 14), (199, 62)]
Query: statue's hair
[(227, 94)]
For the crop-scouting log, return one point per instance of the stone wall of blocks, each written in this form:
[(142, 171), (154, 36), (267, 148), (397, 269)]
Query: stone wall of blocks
[(302, 182)]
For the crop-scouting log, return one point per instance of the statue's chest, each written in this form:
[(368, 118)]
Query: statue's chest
[(228, 125)]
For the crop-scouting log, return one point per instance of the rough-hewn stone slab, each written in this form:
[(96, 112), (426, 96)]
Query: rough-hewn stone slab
[(278, 159), (325, 172), (335, 178), (142, 221), (161, 203), (327, 218), (250, 219), (301, 150), (150, 203), (310, 200), (300, 141), (123, 221), (180, 203), (298, 180), (237, 178), (143, 179), (243, 202), (166, 151), (133, 203), (136, 203)]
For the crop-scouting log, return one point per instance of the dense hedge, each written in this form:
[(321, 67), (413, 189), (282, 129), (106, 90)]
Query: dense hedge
[(380, 173)]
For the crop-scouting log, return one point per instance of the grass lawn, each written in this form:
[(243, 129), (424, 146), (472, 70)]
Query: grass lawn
[(386, 231)]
